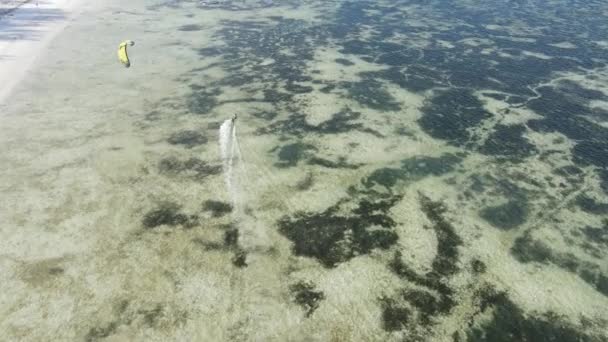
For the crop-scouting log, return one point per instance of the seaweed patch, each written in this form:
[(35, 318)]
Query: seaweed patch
[(239, 259), (508, 322), (590, 205), (450, 114), (217, 208), (340, 122), (446, 260), (445, 264), (305, 183), (394, 316), (202, 101), (371, 93), (525, 249), (169, 214), (332, 238), (187, 138), (344, 61), (190, 27), (478, 266), (306, 295), (193, 167), (101, 332), (290, 155), (413, 169), (508, 141), (506, 216), (341, 163)]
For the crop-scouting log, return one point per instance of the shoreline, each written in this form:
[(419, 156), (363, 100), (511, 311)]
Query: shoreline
[(8, 6), (25, 32)]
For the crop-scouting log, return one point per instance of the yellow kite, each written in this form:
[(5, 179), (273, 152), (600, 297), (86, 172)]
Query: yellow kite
[(123, 57)]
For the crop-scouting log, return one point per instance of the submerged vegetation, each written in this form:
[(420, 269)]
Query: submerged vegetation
[(497, 107), (526, 250), (413, 169), (438, 297), (217, 208), (332, 237), (169, 214), (306, 295), (188, 139), (506, 216), (192, 168), (508, 322)]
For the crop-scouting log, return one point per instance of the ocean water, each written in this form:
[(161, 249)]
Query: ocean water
[(398, 171)]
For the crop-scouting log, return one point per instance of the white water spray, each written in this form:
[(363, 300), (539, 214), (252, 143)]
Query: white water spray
[(231, 158), (252, 234)]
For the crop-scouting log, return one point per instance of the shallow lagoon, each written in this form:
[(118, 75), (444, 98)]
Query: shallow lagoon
[(411, 171)]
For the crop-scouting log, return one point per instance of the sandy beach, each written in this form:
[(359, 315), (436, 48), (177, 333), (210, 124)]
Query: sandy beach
[(26, 29)]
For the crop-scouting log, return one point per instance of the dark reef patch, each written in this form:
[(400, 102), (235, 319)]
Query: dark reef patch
[(509, 323), (340, 164), (575, 90), (450, 114), (306, 296), (190, 27), (426, 303), (439, 300), (217, 208), (228, 243), (290, 155), (193, 167), (571, 173), (394, 316), (231, 238), (525, 249), (151, 315), (566, 113), (168, 213), (231, 243), (202, 101), (296, 125), (478, 266), (593, 240), (597, 235), (371, 93), (239, 259), (413, 169), (209, 245), (332, 238), (506, 216), (446, 259), (100, 333), (265, 115), (508, 141), (187, 138), (344, 61), (592, 152), (603, 175), (305, 183), (590, 205)]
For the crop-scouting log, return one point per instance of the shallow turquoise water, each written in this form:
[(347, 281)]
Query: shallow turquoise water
[(418, 171)]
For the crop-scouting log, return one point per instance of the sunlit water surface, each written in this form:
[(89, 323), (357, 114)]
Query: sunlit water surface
[(407, 171)]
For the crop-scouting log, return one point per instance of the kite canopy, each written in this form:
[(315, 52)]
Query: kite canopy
[(123, 57)]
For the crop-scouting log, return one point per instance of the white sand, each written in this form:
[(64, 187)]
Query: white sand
[(24, 33)]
